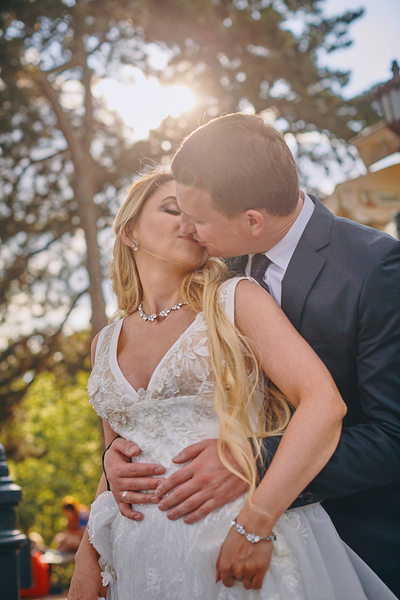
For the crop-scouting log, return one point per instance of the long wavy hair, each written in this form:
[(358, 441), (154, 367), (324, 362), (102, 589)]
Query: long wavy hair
[(248, 407)]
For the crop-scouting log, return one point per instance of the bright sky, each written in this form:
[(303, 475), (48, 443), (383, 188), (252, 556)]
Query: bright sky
[(142, 102), (376, 38)]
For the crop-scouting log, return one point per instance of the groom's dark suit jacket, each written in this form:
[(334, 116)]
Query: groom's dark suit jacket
[(341, 291)]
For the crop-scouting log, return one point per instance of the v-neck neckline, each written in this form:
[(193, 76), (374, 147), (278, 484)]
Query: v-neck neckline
[(116, 369)]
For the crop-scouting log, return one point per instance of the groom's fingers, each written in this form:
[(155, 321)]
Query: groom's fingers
[(140, 484), (128, 505), (130, 472), (194, 500), (199, 487), (128, 449), (178, 478), (202, 511), (142, 495), (135, 476), (191, 504), (194, 509), (127, 511), (192, 451), (205, 462), (198, 493)]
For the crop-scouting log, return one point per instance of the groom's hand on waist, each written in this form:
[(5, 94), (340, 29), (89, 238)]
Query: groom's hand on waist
[(200, 486), (134, 478)]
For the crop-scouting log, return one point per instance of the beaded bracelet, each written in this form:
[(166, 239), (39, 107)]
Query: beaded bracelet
[(251, 537)]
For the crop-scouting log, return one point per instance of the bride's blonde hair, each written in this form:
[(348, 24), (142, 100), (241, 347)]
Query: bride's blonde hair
[(239, 383)]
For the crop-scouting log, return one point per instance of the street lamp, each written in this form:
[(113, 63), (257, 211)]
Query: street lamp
[(388, 97), (11, 539)]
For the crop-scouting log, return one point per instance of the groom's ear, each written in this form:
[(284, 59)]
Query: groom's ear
[(254, 222)]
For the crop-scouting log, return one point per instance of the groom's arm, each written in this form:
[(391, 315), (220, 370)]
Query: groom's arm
[(368, 454)]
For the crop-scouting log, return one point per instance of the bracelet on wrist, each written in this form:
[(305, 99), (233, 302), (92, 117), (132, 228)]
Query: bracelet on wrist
[(102, 460), (251, 537)]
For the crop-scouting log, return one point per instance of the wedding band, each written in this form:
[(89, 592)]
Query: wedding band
[(124, 495)]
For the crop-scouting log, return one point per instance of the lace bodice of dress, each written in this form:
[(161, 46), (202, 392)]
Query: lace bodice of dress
[(177, 407)]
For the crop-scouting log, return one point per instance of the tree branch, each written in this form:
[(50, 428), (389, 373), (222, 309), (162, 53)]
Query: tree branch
[(63, 122)]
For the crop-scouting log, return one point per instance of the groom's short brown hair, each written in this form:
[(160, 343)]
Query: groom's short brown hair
[(242, 163)]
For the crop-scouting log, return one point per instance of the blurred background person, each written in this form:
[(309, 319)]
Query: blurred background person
[(77, 516)]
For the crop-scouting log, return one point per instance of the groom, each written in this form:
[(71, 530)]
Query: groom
[(339, 284)]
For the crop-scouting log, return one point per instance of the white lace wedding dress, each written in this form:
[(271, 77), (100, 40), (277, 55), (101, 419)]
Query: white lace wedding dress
[(158, 559)]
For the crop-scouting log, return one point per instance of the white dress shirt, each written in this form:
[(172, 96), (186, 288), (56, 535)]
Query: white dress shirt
[(282, 252)]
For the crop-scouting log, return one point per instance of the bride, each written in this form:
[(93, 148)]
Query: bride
[(183, 363)]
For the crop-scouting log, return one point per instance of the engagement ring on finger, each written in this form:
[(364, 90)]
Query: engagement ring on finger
[(124, 495)]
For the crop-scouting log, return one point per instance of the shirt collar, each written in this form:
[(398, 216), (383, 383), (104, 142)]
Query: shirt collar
[(282, 252)]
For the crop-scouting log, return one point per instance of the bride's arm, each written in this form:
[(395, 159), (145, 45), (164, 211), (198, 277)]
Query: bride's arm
[(86, 582), (308, 442)]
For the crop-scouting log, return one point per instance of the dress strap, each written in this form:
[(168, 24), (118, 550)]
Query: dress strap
[(100, 340), (227, 295)]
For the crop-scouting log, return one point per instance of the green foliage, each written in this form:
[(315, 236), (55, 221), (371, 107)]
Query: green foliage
[(62, 448)]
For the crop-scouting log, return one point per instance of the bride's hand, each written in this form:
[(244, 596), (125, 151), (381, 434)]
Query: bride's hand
[(86, 582), (86, 585), (240, 560)]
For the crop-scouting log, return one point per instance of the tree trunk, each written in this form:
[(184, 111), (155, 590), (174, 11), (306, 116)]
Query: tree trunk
[(84, 190)]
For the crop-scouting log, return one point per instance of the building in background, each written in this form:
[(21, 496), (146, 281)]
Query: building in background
[(374, 199)]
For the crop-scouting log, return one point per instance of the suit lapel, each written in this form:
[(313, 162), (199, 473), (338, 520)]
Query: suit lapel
[(306, 262)]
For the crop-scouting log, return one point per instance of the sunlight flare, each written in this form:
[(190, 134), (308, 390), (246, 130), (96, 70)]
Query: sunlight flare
[(143, 102)]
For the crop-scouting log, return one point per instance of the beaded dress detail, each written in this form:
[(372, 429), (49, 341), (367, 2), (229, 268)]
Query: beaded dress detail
[(159, 559)]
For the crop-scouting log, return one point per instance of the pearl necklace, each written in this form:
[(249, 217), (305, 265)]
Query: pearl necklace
[(162, 313)]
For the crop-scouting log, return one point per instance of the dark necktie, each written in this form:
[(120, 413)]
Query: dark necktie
[(259, 264)]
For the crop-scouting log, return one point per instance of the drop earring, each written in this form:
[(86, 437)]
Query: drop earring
[(135, 245)]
